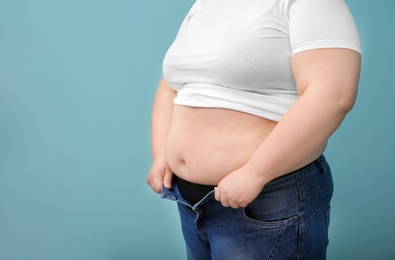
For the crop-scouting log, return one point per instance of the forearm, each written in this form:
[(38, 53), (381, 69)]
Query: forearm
[(162, 112), (299, 137)]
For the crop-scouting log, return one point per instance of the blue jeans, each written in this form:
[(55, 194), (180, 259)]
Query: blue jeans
[(288, 220)]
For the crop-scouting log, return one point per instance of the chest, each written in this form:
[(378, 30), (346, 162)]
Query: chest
[(239, 44)]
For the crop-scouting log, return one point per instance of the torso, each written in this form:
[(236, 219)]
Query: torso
[(229, 54), (206, 144)]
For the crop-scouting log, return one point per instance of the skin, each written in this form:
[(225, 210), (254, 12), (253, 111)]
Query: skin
[(239, 152)]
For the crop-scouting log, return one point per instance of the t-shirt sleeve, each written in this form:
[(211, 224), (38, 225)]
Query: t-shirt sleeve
[(315, 24)]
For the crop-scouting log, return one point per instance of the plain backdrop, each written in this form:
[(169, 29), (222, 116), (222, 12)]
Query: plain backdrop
[(77, 80)]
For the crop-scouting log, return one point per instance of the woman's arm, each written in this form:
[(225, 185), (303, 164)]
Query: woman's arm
[(162, 111), (327, 82)]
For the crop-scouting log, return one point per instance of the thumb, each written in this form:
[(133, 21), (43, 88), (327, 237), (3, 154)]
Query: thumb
[(167, 179)]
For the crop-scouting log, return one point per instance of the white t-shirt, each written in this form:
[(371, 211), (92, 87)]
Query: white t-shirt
[(235, 54)]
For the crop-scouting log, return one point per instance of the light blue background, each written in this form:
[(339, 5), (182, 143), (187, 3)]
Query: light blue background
[(77, 79)]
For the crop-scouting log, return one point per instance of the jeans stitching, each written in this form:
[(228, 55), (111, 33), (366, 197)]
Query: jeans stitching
[(275, 242), (325, 206), (269, 224), (313, 192)]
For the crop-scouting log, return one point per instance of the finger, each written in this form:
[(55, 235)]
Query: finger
[(168, 179), (233, 204), (242, 204), (225, 201), (220, 197), (217, 194), (155, 184)]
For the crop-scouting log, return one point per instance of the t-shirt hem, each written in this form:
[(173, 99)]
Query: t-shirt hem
[(322, 44), (256, 112)]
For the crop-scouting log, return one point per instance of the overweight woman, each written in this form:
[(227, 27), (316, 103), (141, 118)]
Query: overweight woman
[(251, 92)]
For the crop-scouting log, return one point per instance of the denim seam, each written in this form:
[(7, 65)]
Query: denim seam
[(269, 224), (299, 223), (202, 234), (316, 214), (275, 242), (327, 220), (316, 191)]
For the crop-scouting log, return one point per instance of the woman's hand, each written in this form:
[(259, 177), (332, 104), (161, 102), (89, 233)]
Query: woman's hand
[(159, 175), (239, 188)]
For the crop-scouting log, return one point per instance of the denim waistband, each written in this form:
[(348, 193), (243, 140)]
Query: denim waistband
[(175, 194), (298, 174)]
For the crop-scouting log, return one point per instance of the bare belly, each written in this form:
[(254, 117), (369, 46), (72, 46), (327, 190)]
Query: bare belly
[(206, 144)]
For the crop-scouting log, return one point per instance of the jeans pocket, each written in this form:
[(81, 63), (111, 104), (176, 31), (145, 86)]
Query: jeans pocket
[(268, 224), (278, 239), (274, 206)]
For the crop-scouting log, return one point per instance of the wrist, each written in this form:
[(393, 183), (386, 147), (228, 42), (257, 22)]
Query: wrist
[(258, 174), (159, 156)]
